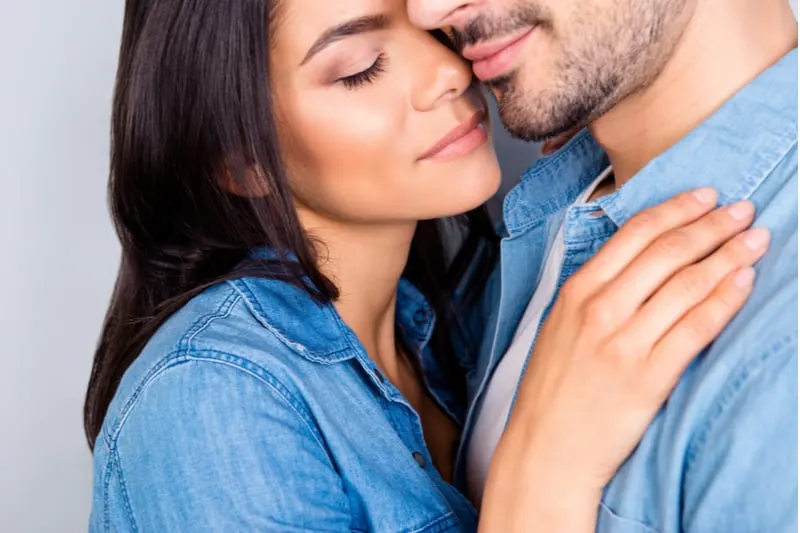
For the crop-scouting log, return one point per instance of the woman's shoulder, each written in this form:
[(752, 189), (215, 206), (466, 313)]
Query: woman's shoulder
[(243, 337), (210, 417)]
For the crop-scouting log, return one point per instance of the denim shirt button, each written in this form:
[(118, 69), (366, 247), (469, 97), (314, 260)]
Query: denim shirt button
[(420, 316), (419, 458)]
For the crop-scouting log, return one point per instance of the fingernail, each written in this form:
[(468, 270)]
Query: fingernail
[(706, 195), (741, 210), (744, 278), (756, 239)]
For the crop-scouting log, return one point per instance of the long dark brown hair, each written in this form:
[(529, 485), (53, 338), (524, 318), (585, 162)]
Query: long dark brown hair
[(192, 101)]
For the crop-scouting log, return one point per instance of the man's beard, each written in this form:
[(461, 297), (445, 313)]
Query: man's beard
[(602, 58), (569, 104)]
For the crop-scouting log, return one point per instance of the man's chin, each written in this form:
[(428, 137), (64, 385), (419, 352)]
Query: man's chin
[(530, 119), (526, 128), (519, 113)]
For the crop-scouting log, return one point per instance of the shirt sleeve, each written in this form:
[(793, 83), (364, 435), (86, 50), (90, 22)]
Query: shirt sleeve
[(214, 447), (741, 474)]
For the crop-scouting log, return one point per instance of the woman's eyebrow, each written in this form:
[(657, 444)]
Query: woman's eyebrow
[(351, 27)]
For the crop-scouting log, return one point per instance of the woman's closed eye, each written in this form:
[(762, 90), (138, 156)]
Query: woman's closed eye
[(368, 75)]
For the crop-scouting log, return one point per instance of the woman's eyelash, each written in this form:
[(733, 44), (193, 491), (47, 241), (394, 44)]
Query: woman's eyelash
[(365, 76)]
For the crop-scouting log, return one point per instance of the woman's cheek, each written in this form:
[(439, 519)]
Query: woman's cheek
[(348, 137), (352, 154)]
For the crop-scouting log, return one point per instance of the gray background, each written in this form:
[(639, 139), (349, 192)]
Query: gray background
[(59, 252)]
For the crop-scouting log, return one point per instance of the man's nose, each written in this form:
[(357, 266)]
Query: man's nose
[(431, 14)]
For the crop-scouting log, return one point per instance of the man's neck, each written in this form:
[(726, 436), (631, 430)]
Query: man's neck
[(727, 44)]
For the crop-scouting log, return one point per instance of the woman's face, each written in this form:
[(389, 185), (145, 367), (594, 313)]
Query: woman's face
[(379, 122)]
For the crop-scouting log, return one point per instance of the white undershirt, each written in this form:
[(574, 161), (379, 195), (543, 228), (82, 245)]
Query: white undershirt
[(503, 384)]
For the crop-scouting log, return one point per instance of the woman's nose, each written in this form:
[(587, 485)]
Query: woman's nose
[(431, 14), (442, 75)]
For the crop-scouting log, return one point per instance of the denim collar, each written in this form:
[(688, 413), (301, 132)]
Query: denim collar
[(734, 150), (553, 183), (315, 330), (753, 131)]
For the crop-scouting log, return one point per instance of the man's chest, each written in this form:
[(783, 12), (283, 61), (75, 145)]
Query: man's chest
[(529, 271), (526, 264)]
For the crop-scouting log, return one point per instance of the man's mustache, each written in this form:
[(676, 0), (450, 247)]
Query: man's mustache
[(487, 27)]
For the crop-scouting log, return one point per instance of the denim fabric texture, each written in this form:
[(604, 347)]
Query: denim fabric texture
[(254, 408), (721, 456)]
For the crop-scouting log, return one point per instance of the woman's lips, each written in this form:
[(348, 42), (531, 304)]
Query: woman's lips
[(461, 140), (494, 59)]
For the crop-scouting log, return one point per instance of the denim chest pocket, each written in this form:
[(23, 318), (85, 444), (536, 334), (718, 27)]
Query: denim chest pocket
[(610, 522), (406, 500)]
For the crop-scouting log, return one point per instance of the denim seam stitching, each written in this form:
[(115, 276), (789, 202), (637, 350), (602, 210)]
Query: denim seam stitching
[(223, 310), (547, 208), (621, 518), (531, 223), (264, 322), (746, 371), (124, 489), (105, 437), (183, 344), (270, 381), (770, 162), (553, 160), (433, 523), (297, 347), (106, 485), (177, 358)]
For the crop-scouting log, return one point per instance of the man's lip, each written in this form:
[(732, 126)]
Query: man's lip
[(455, 134), (503, 58), (483, 51)]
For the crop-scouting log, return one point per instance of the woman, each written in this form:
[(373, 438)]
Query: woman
[(286, 346)]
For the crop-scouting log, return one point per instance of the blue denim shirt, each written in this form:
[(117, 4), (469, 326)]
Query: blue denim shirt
[(721, 457), (255, 409)]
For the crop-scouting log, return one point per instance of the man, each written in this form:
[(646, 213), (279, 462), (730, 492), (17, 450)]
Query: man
[(676, 94)]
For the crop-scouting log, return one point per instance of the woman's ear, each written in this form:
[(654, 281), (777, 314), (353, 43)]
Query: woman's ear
[(248, 181)]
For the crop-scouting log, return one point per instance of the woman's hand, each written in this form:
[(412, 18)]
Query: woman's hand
[(620, 334)]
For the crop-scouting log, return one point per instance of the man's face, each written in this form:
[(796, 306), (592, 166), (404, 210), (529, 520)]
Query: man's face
[(557, 65)]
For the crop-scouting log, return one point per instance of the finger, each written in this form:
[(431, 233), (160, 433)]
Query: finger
[(691, 286), (698, 328), (641, 230), (668, 254)]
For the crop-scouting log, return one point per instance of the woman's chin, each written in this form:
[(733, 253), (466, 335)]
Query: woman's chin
[(466, 194)]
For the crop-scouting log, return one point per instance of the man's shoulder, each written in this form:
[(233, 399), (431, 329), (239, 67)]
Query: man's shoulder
[(764, 332), (727, 436)]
